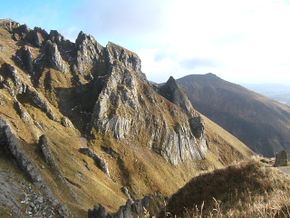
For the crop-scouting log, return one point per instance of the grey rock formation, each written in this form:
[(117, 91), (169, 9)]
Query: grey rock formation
[(100, 163), (120, 55), (24, 115), (128, 100), (89, 54), (41, 102), (44, 145), (14, 146), (281, 159), (126, 192), (53, 57), (149, 206), (11, 80)]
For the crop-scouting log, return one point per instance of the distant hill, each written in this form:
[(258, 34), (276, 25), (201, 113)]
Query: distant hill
[(278, 92), (261, 123)]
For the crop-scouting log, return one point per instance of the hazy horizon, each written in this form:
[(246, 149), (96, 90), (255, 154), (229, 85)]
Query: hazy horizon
[(242, 42)]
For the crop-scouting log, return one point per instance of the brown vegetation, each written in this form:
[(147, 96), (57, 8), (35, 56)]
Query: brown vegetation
[(248, 189)]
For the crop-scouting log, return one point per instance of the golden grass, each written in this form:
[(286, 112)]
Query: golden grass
[(248, 189)]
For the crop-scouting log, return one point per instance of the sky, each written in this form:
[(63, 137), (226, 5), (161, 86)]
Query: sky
[(242, 41)]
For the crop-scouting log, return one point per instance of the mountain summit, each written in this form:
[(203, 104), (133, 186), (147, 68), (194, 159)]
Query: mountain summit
[(80, 126)]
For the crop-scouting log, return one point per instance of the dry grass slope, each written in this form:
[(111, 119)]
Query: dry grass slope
[(248, 189)]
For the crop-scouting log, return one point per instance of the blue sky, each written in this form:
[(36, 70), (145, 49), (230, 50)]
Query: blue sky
[(243, 41)]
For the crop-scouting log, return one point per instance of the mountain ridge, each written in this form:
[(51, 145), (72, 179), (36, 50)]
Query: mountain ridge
[(93, 127)]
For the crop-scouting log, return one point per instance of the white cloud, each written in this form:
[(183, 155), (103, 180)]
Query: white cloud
[(242, 41)]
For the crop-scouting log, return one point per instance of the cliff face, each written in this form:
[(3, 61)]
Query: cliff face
[(130, 109), (91, 129)]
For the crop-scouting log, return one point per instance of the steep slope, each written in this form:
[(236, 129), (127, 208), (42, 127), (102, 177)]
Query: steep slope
[(85, 126), (261, 123)]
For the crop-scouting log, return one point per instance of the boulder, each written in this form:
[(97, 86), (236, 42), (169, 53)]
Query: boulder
[(66, 122), (99, 162), (281, 159)]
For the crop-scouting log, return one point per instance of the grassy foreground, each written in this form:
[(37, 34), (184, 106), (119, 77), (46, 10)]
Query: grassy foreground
[(247, 189)]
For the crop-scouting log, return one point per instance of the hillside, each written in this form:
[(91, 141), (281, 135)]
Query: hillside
[(261, 123), (81, 126), (247, 189)]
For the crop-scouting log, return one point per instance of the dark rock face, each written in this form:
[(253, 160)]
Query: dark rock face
[(149, 206), (171, 91), (196, 126), (19, 32), (36, 37), (25, 60), (100, 163), (281, 159)]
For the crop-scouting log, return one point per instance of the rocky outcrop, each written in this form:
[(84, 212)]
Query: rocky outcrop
[(24, 115), (24, 59), (66, 48), (36, 37), (128, 100), (99, 162), (17, 88), (90, 54), (66, 122), (120, 55), (11, 80), (45, 149), (14, 146), (149, 206), (41, 102), (281, 159), (171, 91), (53, 57)]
